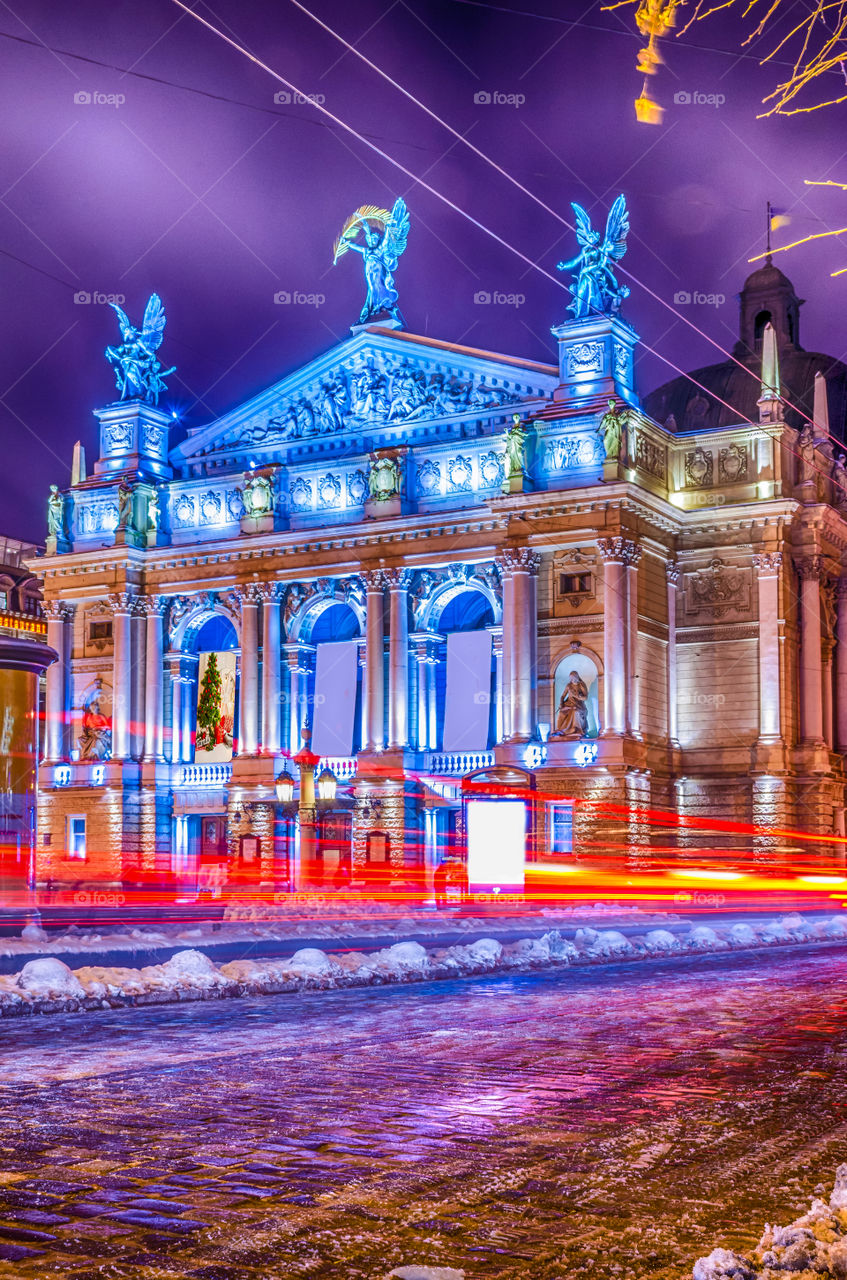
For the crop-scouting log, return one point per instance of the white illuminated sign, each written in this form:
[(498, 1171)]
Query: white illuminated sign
[(496, 844)]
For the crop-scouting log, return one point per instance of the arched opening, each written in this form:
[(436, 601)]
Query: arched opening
[(214, 640), (763, 319), (215, 633), (464, 676), (329, 696), (576, 709)]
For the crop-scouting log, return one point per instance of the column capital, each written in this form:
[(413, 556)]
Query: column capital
[(122, 602), (57, 610), (269, 592), (374, 580), (672, 572), (246, 594), (153, 606), (809, 568), (619, 550), (767, 563), (397, 579), (518, 560)]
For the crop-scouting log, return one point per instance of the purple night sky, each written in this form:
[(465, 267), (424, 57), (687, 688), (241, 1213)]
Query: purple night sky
[(203, 189)]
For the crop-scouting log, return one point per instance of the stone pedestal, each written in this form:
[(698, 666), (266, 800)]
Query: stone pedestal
[(379, 508), (257, 524), (133, 437), (518, 483), (595, 361)]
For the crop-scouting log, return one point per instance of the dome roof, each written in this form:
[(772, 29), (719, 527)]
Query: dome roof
[(768, 297), (740, 388)]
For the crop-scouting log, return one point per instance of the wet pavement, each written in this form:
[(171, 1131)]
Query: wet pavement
[(612, 1122)]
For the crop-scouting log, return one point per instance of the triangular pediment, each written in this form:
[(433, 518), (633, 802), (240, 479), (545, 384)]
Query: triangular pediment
[(376, 379)]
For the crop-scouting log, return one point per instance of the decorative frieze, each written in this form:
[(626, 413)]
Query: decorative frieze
[(717, 590), (699, 469)]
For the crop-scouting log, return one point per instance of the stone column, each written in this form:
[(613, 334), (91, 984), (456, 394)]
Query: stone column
[(121, 603), (398, 581), (154, 728), (56, 702), (497, 650), (271, 593), (633, 701), (522, 627), (767, 566), (298, 656), (810, 569), (841, 667), (672, 574), (176, 707), (374, 692), (248, 718), (506, 654), (614, 552), (826, 668)]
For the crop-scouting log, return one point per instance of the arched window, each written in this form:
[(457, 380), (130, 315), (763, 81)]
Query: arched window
[(763, 319), (338, 622), (467, 611), (216, 634)]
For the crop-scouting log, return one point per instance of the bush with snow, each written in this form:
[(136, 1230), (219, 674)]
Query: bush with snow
[(836, 927), (742, 935), (309, 962), (526, 952), (34, 933)]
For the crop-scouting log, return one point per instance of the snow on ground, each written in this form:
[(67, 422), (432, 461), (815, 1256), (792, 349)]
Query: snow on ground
[(47, 984), (812, 1247), (313, 916)]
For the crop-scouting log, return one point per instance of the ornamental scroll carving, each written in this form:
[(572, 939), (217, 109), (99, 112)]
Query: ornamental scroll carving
[(718, 590), (699, 469)]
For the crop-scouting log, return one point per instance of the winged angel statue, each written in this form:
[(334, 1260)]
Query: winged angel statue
[(597, 290), (384, 240), (138, 373)]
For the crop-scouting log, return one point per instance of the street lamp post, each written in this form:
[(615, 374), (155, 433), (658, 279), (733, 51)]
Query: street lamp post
[(307, 805)]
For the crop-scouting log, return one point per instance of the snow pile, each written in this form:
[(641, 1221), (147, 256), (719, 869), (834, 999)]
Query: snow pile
[(812, 1247), (417, 1272), (49, 978), (47, 984)]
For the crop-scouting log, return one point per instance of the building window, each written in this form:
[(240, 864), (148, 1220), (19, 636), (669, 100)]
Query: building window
[(377, 849), (100, 630), (76, 836), (574, 584), (561, 828), (4, 600)]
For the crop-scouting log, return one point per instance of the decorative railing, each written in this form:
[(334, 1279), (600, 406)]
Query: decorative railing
[(455, 764), (203, 775), (344, 767)]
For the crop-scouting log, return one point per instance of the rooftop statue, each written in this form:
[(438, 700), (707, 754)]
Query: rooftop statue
[(138, 373), (596, 290), (384, 240)]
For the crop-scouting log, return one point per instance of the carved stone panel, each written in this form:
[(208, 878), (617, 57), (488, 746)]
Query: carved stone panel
[(699, 469), (718, 590), (732, 464)]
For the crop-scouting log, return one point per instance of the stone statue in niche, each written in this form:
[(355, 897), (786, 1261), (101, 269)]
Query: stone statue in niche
[(806, 454), (612, 430), (55, 513), (572, 713), (95, 742), (839, 480)]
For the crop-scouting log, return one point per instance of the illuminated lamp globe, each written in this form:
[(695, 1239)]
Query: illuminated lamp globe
[(284, 787), (327, 784)]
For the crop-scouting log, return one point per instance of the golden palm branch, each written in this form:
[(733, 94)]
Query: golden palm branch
[(351, 227)]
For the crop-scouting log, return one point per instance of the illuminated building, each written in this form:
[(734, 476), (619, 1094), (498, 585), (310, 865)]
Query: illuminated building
[(356, 548)]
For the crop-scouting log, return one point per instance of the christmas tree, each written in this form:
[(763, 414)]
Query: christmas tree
[(209, 704)]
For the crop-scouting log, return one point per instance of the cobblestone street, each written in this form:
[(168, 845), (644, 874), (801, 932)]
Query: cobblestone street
[(609, 1122)]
